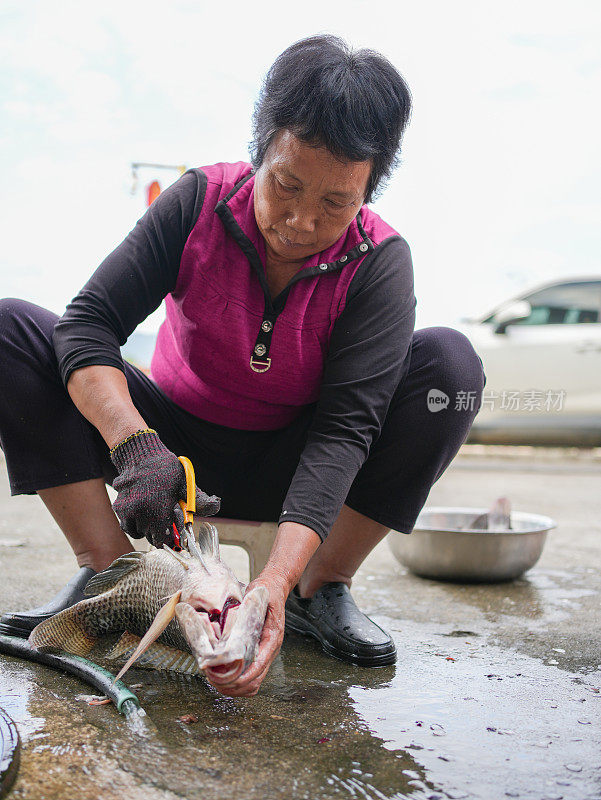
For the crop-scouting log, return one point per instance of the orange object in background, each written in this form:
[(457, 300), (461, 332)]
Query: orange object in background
[(152, 192)]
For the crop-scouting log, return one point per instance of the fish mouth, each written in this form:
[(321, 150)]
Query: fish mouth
[(224, 674), (204, 628), (217, 617), (224, 652)]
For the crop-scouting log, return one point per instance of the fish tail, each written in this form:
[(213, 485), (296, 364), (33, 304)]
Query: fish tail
[(64, 631)]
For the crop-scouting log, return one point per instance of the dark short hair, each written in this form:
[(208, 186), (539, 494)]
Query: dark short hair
[(356, 104)]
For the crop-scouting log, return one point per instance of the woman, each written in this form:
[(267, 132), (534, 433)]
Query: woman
[(287, 368)]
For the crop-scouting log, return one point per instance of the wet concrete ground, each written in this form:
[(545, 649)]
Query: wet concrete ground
[(495, 693)]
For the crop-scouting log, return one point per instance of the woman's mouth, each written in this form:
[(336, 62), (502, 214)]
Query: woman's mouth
[(288, 243)]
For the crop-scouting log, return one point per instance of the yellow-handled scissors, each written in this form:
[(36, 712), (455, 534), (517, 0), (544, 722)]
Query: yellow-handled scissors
[(188, 506)]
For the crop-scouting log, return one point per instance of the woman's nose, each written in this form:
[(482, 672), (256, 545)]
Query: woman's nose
[(301, 218)]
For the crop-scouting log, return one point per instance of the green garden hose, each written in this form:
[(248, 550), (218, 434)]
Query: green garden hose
[(125, 700)]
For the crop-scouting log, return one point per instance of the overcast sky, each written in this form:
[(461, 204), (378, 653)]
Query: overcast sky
[(499, 183)]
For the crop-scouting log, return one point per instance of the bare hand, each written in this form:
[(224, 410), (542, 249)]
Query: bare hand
[(272, 636)]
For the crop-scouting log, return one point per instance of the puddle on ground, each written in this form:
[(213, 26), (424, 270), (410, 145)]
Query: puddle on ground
[(483, 721), (457, 717), (300, 738), (545, 595), (559, 589), (16, 687)]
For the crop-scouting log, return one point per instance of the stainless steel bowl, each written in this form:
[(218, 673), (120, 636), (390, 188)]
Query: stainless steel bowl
[(440, 548)]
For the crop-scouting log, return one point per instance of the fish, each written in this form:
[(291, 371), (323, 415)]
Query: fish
[(496, 519), (183, 611)]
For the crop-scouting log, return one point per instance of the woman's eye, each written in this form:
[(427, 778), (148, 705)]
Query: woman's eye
[(283, 188), (334, 205)]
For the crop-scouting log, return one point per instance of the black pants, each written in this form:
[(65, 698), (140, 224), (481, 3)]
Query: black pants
[(47, 442)]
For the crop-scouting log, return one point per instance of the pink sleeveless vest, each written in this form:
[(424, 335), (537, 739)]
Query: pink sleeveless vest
[(225, 353)]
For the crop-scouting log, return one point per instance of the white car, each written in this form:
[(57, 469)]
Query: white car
[(542, 358)]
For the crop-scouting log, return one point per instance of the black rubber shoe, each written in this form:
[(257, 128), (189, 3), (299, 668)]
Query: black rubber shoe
[(343, 631), (21, 623)]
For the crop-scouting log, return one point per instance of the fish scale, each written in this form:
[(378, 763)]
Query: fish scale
[(133, 603)]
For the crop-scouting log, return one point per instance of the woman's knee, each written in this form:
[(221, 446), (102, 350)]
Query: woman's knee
[(450, 357), (18, 317), (11, 310), (25, 338)]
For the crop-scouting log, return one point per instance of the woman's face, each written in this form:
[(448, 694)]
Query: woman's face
[(305, 197)]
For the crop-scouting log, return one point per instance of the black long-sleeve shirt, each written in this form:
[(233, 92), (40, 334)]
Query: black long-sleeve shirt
[(367, 352)]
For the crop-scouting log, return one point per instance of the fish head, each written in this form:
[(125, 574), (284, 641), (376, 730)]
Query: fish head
[(238, 644), (225, 646)]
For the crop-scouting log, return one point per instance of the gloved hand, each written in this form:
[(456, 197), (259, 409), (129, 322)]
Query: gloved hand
[(150, 481)]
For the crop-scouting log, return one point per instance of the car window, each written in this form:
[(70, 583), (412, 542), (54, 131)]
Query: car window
[(567, 304)]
